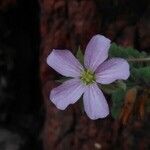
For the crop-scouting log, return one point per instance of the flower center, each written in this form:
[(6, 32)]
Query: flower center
[(87, 77)]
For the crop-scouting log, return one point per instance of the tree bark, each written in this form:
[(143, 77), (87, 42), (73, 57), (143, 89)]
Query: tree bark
[(67, 24)]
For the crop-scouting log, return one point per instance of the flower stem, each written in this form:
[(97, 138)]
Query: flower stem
[(139, 59)]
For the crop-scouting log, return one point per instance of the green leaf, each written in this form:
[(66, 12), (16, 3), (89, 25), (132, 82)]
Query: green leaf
[(119, 51), (80, 56), (117, 99), (108, 89), (141, 74), (121, 84), (63, 79), (111, 88)]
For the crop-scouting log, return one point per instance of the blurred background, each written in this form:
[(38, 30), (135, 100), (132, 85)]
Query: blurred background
[(29, 29), (21, 111)]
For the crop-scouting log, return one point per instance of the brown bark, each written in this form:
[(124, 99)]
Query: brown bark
[(66, 24)]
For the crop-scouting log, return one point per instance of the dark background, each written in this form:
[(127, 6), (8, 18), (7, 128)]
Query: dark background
[(29, 29), (21, 111)]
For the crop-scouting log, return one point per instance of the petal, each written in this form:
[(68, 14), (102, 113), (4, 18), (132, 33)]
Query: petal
[(67, 93), (95, 104), (111, 70), (64, 63), (96, 52)]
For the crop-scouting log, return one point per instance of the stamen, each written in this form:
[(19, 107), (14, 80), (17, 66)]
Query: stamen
[(88, 77)]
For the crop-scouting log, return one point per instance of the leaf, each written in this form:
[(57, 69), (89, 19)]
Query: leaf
[(117, 99), (141, 74), (108, 89), (80, 56), (111, 88), (63, 79), (119, 51), (121, 84)]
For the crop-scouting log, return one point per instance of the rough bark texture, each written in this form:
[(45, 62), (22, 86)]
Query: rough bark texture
[(63, 24), (68, 24)]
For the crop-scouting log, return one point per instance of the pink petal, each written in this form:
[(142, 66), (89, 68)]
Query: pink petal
[(67, 93), (96, 52), (95, 104), (111, 70), (64, 63)]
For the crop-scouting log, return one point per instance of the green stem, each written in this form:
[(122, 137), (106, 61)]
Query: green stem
[(139, 59)]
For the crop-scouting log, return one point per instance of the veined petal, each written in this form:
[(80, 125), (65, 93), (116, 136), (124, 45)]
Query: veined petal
[(95, 104), (111, 70), (67, 93), (96, 52), (64, 63)]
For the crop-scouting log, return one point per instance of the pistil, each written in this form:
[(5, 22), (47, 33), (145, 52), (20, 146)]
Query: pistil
[(88, 77)]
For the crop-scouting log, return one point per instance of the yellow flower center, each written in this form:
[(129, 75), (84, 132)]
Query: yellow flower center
[(88, 77)]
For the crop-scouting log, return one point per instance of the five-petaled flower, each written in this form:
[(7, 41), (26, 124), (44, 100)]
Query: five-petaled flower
[(85, 79)]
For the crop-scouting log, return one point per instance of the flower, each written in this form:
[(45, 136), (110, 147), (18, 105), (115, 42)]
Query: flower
[(85, 79)]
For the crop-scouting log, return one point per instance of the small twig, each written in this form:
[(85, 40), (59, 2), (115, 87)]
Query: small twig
[(138, 59)]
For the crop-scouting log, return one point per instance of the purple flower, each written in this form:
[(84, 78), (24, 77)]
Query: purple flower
[(84, 79)]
